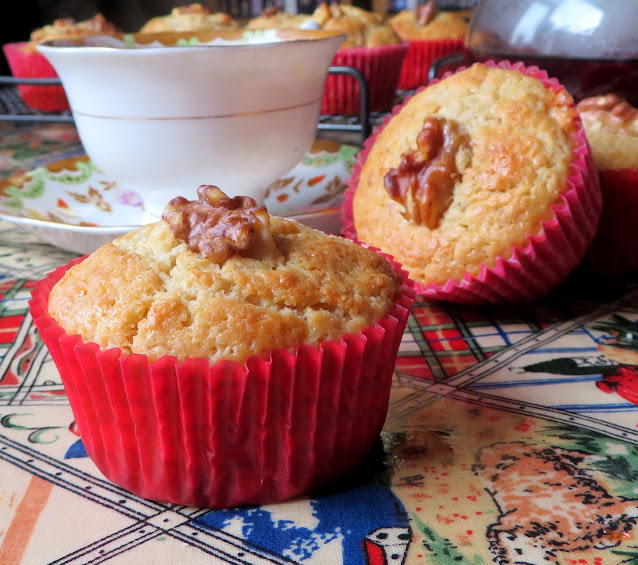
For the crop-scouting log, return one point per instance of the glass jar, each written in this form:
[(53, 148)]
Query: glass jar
[(590, 46)]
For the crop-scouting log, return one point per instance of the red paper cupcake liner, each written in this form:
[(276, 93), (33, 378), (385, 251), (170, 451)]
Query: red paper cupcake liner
[(533, 269), (614, 251), (31, 64), (420, 56), (227, 434), (380, 66)]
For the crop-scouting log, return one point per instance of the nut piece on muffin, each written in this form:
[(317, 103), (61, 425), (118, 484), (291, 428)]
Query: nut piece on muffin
[(274, 18), (220, 279), (427, 22), (364, 29), (466, 171), (192, 17), (611, 124)]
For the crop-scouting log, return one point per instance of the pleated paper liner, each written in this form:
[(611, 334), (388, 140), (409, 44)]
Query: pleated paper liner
[(25, 62), (380, 66), (614, 251), (547, 257), (420, 56), (224, 434)]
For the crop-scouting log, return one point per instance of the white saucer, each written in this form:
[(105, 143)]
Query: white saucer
[(72, 205)]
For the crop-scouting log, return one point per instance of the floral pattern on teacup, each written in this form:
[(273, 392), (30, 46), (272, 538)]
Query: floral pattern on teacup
[(74, 191)]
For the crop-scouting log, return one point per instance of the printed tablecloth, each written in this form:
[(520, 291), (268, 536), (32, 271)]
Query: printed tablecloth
[(511, 438)]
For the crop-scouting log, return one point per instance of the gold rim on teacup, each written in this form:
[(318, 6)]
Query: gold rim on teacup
[(234, 37)]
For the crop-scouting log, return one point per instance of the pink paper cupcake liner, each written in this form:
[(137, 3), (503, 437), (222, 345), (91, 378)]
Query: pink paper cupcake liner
[(380, 66), (420, 55), (535, 268), (614, 251), (227, 434), (31, 64)]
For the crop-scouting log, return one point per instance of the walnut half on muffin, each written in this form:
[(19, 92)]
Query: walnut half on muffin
[(220, 279)]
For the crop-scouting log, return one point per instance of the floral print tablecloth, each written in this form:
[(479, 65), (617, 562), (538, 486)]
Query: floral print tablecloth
[(512, 437)]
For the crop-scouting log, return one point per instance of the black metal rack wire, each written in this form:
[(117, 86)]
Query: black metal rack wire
[(13, 109)]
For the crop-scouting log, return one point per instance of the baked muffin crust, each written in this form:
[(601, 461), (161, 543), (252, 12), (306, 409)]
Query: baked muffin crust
[(147, 292), (428, 23), (192, 17), (507, 174), (273, 18), (611, 125), (69, 28), (363, 28)]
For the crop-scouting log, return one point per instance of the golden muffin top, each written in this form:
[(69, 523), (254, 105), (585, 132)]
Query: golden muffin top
[(219, 278), (611, 124), (69, 28), (193, 17), (468, 168), (427, 22), (274, 18), (363, 28)]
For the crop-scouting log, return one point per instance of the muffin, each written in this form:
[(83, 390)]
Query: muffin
[(371, 47), (274, 18), (481, 184), (326, 12), (26, 62), (222, 356), (431, 34), (193, 17), (611, 125)]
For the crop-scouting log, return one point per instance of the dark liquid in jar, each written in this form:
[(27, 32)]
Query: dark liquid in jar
[(583, 77)]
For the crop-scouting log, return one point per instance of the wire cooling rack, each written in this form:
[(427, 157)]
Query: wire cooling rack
[(13, 109)]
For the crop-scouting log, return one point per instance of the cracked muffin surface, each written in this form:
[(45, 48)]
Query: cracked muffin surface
[(147, 292), (512, 143)]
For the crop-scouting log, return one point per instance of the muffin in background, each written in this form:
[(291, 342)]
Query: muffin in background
[(325, 12), (611, 125), (223, 356), (481, 184), (431, 34), (274, 18), (371, 47), (26, 62), (191, 17)]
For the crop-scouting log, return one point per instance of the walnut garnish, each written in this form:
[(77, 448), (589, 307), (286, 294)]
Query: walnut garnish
[(270, 11), (336, 10), (424, 180), (218, 226), (425, 13)]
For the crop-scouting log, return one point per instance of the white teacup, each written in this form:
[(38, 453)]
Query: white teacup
[(163, 113)]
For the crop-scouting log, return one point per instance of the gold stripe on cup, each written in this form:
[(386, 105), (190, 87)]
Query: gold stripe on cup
[(237, 115)]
